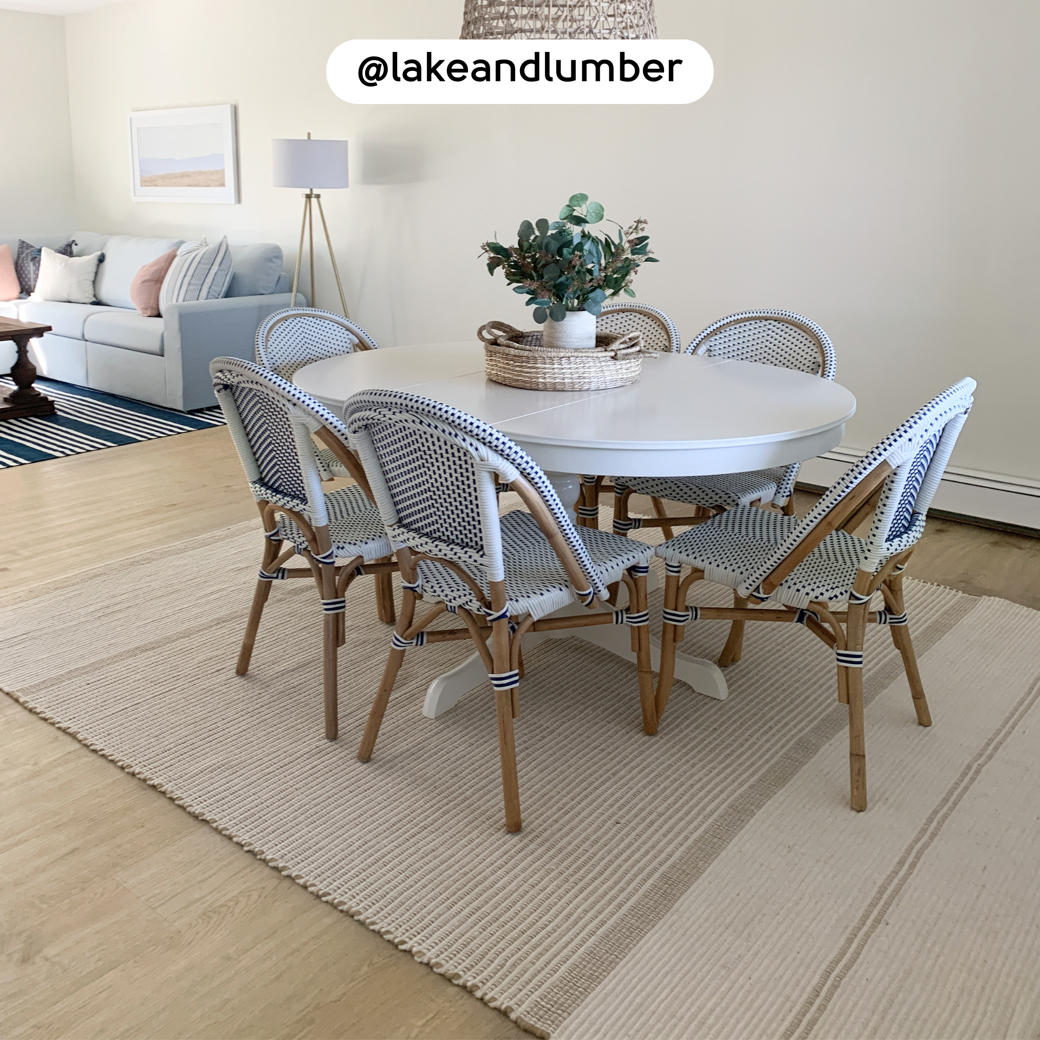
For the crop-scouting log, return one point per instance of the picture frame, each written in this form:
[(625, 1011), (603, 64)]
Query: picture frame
[(184, 155)]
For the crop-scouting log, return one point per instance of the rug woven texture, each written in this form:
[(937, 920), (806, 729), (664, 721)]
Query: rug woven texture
[(707, 882)]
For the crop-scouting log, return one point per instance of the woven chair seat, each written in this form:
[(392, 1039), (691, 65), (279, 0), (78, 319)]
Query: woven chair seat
[(355, 526), (725, 490), (734, 545), (536, 583)]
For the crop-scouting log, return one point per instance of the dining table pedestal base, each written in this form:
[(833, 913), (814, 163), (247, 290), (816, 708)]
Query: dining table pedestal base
[(705, 677)]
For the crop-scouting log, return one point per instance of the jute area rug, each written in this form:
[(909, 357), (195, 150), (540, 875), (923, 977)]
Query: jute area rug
[(707, 882)]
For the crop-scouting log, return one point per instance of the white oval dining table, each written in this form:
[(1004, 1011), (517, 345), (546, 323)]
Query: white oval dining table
[(686, 415)]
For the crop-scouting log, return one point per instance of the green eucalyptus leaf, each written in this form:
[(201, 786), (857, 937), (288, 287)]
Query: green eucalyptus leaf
[(526, 232), (629, 292), (551, 273), (578, 220), (523, 290), (491, 267), (541, 315), (593, 307), (598, 296), (566, 212), (557, 312), (540, 302), (651, 260), (594, 212), (577, 200), (543, 226)]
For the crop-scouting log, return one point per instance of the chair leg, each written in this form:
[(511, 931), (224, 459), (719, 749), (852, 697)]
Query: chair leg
[(330, 654), (385, 598), (669, 639), (903, 643), (854, 680), (735, 643), (263, 590), (647, 698), (330, 683), (504, 704), (788, 507), (507, 758), (661, 512), (621, 497), (393, 665)]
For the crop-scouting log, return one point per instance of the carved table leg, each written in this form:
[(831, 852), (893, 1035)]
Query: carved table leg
[(26, 399)]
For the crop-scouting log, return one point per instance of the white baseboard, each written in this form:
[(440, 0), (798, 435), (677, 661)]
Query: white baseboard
[(971, 493)]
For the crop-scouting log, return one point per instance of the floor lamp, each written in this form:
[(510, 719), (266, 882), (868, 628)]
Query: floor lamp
[(311, 164)]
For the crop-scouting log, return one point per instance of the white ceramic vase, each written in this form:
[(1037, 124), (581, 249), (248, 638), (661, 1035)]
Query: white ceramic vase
[(577, 331)]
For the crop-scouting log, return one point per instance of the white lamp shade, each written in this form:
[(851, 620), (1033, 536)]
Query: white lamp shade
[(309, 163)]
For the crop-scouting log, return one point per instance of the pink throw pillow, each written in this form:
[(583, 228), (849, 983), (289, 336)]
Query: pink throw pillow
[(144, 289), (9, 287)]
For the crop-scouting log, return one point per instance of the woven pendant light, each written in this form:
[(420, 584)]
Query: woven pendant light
[(559, 20)]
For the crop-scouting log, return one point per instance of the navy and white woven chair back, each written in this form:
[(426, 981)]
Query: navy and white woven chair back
[(923, 452), (433, 471), (658, 330), (271, 423), (918, 451), (769, 337), (296, 336)]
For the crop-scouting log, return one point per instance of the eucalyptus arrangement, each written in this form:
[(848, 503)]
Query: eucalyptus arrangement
[(565, 268)]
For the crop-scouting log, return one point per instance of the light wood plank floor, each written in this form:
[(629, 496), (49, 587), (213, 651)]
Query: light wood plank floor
[(123, 916)]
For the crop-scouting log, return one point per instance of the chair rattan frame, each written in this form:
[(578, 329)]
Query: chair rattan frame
[(870, 491), (504, 659), (331, 576)]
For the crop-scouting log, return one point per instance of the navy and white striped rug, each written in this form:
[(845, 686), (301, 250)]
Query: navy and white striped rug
[(88, 420)]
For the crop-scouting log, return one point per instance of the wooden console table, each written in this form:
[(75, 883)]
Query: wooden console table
[(26, 399)]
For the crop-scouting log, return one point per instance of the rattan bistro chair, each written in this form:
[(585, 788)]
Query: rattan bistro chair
[(809, 570), (659, 333), (296, 336), (434, 472), (768, 337), (339, 534)]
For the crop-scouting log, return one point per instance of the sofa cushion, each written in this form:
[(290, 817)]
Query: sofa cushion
[(124, 257), (9, 309), (256, 269), (88, 242), (126, 329), (65, 319)]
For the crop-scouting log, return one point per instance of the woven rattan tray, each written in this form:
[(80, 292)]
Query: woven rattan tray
[(518, 358)]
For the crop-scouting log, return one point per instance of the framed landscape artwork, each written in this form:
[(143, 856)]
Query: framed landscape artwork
[(184, 155)]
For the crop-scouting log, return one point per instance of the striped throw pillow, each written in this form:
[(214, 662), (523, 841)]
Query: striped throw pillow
[(198, 274)]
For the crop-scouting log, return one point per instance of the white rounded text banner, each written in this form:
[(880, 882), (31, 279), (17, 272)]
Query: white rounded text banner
[(520, 72)]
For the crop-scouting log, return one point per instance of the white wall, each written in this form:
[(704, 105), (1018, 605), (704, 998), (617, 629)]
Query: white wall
[(36, 187), (872, 165)]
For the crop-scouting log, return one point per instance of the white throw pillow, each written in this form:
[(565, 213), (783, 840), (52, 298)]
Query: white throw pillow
[(125, 255), (66, 279), (201, 274)]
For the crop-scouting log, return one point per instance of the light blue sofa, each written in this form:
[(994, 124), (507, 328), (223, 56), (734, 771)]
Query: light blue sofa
[(163, 361)]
